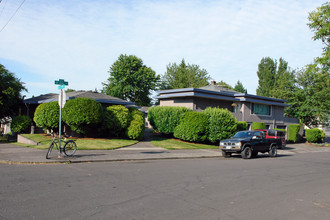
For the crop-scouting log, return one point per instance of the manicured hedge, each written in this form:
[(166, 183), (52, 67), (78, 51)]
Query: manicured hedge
[(47, 115), (315, 135), (293, 132), (116, 119), (193, 127), (242, 125), (166, 118), (222, 124), (20, 124), (136, 125), (258, 125), (82, 114)]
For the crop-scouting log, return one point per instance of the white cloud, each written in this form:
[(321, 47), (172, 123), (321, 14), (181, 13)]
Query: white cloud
[(79, 40)]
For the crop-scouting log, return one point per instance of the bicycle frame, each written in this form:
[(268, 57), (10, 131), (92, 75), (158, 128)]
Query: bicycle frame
[(69, 148)]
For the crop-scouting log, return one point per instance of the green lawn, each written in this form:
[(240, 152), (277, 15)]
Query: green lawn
[(82, 143), (175, 144)]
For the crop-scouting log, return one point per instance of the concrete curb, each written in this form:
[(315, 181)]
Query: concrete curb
[(101, 161)]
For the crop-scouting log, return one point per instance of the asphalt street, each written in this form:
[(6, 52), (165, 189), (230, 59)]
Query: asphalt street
[(292, 186)]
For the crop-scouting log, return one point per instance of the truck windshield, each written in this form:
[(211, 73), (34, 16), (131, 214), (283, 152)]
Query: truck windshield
[(243, 134)]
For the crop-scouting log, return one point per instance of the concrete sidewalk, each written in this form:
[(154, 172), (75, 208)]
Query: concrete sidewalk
[(12, 154)]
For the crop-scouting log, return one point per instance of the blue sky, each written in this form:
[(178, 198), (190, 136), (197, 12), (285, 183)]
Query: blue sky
[(79, 40)]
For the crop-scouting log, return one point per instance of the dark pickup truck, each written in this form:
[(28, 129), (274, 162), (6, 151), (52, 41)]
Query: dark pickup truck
[(248, 144)]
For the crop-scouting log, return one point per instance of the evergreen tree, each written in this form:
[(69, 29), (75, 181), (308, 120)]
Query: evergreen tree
[(184, 76), (266, 73), (239, 87)]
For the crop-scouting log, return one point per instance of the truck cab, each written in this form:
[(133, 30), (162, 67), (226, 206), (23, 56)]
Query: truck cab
[(275, 134)]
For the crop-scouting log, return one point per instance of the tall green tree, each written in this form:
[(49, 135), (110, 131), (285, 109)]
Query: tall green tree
[(285, 81), (240, 88), (319, 21), (266, 74), (10, 93), (184, 76), (311, 103), (131, 80), (276, 79)]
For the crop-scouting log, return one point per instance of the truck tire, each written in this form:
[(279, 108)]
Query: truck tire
[(273, 151), (246, 153), (226, 154)]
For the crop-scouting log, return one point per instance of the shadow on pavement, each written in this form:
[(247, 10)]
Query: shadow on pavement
[(154, 152)]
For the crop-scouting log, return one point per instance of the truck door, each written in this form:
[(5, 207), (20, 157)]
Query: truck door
[(261, 141)]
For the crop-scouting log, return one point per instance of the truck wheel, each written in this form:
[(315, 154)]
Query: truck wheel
[(247, 153), (254, 153), (273, 151), (226, 154)]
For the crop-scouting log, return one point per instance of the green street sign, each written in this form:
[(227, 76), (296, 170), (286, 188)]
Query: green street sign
[(61, 82)]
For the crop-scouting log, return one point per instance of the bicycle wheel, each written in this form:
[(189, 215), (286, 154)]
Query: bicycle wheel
[(70, 148), (51, 146)]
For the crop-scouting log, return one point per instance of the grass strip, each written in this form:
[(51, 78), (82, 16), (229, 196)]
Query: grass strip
[(82, 143)]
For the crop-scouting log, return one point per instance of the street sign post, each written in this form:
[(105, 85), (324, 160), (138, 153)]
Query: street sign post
[(62, 99), (61, 102)]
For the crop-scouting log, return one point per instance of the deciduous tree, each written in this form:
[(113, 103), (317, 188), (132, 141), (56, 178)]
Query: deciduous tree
[(10, 93), (130, 79), (311, 102)]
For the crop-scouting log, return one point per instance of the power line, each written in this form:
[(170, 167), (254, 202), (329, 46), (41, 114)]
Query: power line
[(12, 15)]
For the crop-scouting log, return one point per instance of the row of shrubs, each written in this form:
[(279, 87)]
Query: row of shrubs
[(212, 125), (87, 117)]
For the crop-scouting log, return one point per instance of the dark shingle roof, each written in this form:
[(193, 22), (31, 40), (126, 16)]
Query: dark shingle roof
[(100, 97), (217, 89)]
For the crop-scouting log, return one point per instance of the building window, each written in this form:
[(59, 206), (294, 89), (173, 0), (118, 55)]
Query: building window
[(236, 107), (267, 126), (281, 126), (260, 109)]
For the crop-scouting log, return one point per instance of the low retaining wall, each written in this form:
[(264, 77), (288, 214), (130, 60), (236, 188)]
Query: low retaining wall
[(24, 140)]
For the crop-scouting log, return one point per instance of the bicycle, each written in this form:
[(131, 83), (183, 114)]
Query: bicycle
[(69, 148)]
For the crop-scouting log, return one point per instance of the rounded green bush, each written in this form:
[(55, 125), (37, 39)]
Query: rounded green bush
[(166, 118), (222, 124), (315, 135), (136, 125), (117, 118), (193, 127), (258, 125), (20, 124), (47, 115), (82, 113), (242, 125), (293, 132)]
